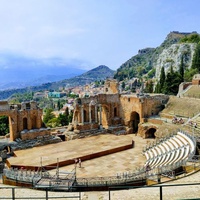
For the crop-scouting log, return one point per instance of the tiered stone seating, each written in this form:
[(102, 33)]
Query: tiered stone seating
[(172, 150), (190, 140)]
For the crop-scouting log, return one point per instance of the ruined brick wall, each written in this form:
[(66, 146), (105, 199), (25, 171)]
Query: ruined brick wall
[(111, 87), (24, 116), (114, 109), (29, 135), (129, 104)]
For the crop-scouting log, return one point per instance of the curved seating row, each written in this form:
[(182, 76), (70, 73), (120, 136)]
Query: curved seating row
[(169, 151)]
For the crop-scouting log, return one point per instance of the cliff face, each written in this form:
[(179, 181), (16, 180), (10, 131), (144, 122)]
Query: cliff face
[(172, 55), (150, 60)]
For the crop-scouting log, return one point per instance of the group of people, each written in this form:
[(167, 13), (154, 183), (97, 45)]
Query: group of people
[(77, 161), (191, 123), (176, 120)]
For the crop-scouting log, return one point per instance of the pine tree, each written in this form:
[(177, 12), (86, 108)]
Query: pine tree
[(181, 69), (196, 58), (149, 87), (159, 88), (172, 82), (58, 105), (48, 115)]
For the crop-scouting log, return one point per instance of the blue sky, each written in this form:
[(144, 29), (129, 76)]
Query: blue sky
[(90, 32)]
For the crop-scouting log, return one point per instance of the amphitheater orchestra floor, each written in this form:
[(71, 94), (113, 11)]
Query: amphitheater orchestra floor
[(107, 165)]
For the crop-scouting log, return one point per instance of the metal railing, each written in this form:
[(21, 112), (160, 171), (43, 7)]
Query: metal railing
[(12, 193), (160, 192)]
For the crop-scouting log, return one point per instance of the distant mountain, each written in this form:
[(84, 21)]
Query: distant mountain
[(99, 73), (19, 72), (38, 81)]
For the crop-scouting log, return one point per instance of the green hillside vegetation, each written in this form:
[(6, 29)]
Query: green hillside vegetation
[(193, 38), (141, 64)]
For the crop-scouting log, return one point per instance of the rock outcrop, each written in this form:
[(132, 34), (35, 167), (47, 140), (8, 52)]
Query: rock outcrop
[(172, 56)]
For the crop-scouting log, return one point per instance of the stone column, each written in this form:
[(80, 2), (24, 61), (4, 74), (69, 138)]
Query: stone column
[(13, 124), (100, 116), (90, 116), (96, 114), (82, 115), (39, 118)]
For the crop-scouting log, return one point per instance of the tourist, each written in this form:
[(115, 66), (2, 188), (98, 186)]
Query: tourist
[(79, 162), (75, 161)]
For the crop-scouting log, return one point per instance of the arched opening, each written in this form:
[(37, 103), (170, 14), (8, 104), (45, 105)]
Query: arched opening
[(7, 149), (4, 125), (85, 119), (92, 115), (115, 112), (150, 133), (25, 124), (134, 121), (34, 122)]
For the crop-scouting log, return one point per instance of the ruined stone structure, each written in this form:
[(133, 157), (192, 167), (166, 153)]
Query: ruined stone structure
[(114, 109), (25, 120), (196, 79)]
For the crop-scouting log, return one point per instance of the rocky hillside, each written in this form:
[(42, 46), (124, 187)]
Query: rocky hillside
[(99, 73), (149, 61), (172, 55)]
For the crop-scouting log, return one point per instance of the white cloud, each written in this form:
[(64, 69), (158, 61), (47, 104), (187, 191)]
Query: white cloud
[(100, 31)]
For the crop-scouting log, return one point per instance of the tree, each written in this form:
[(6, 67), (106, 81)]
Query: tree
[(123, 85), (172, 83), (162, 79), (54, 122), (70, 117), (189, 73), (48, 115), (196, 58), (181, 69), (63, 119), (149, 87), (58, 105), (157, 88), (4, 125)]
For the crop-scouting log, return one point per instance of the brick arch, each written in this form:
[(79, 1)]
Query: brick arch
[(150, 133), (147, 131), (115, 112), (134, 121), (25, 123), (86, 115), (17, 113), (34, 122), (12, 123)]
